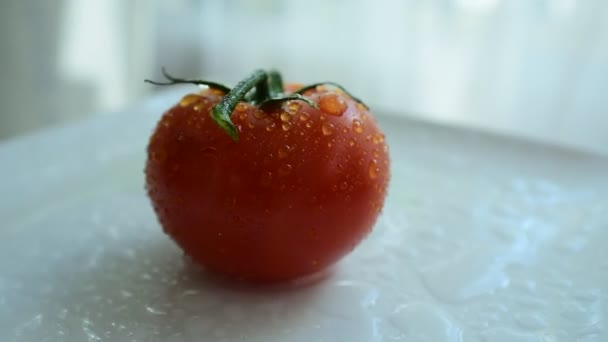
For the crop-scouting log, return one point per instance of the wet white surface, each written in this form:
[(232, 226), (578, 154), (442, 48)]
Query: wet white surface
[(482, 239)]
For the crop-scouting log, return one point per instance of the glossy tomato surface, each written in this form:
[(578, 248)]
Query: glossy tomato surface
[(299, 190)]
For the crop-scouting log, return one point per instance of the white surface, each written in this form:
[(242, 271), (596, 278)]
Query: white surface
[(482, 239)]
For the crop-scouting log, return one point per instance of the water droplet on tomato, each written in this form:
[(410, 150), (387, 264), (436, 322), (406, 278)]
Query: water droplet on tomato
[(250, 124), (266, 178), (284, 151), (198, 107), (327, 128), (309, 124), (241, 107), (285, 117), (258, 114), (286, 126), (323, 117), (188, 100), (363, 117), (270, 126), (357, 126), (343, 186), (373, 169), (304, 116), (294, 106), (332, 104), (378, 138), (285, 169), (351, 142)]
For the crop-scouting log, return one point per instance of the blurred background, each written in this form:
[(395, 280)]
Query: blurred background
[(533, 68)]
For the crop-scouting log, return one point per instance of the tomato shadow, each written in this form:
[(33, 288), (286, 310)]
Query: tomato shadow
[(145, 289)]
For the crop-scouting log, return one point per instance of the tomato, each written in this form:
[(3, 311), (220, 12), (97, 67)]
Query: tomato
[(300, 188)]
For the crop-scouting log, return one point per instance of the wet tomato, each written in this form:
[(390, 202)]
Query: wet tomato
[(263, 184)]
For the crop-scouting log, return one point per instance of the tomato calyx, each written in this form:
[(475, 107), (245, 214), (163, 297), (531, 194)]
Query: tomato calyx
[(171, 80), (260, 88)]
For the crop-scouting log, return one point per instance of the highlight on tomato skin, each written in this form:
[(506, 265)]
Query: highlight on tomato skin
[(286, 188)]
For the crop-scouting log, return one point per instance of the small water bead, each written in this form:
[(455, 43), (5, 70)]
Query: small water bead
[(378, 138), (304, 117), (285, 117), (351, 142), (286, 126), (285, 169), (250, 124), (373, 169), (258, 114), (284, 151), (199, 107), (333, 104), (266, 178), (293, 107), (188, 100), (327, 128), (309, 124), (343, 186), (240, 107), (271, 126), (357, 126)]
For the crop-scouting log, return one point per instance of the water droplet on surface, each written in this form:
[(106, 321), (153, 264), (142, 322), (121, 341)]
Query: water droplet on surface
[(285, 117), (266, 178), (309, 124), (241, 107), (327, 128), (270, 127), (155, 311), (284, 151), (373, 169), (250, 124), (332, 103), (285, 169), (351, 142), (188, 100), (258, 114), (343, 186), (357, 126), (294, 106), (304, 117), (198, 107), (323, 117)]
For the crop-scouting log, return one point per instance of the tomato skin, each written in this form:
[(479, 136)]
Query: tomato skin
[(299, 190)]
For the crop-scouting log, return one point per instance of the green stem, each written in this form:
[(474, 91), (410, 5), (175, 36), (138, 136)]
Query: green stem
[(275, 84), (290, 97), (222, 111), (314, 85), (175, 80)]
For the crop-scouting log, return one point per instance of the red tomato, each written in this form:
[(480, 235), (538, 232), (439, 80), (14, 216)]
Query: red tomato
[(300, 188)]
